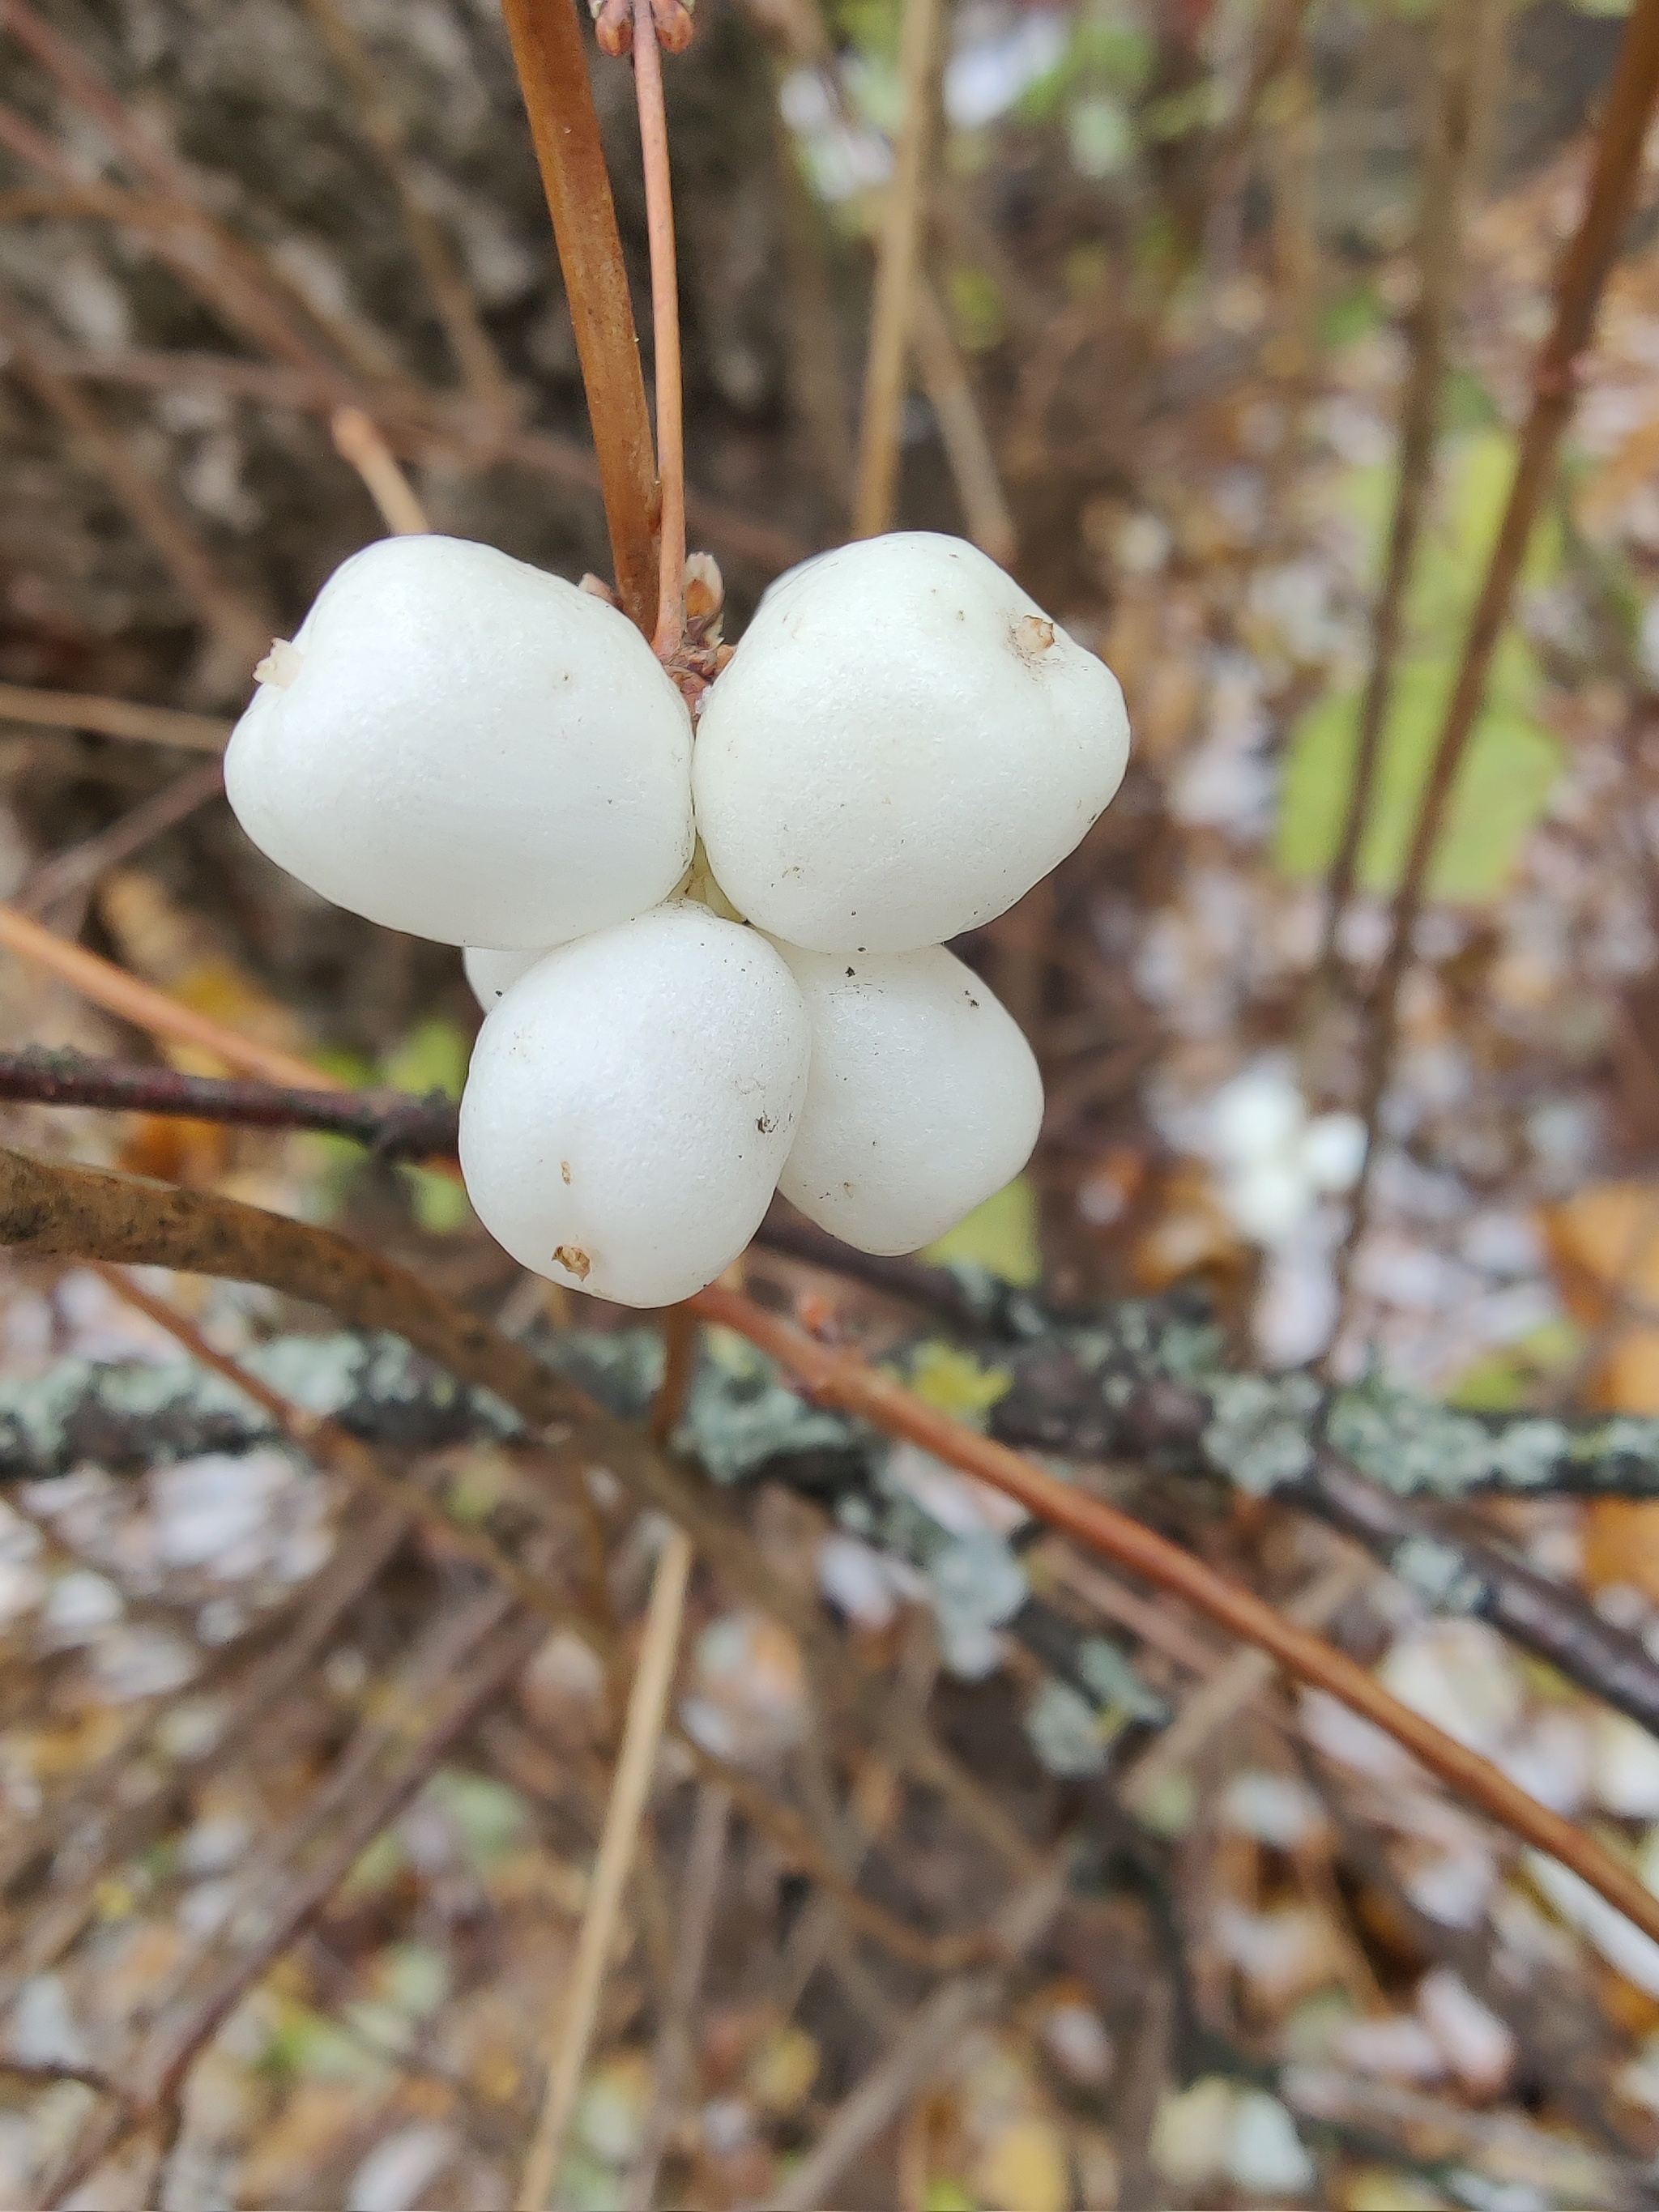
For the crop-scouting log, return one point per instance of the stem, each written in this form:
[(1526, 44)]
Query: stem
[(112, 718), (664, 331), (357, 438), (840, 1378), (547, 48), (884, 378), (1555, 380), (1438, 254), (648, 1709)]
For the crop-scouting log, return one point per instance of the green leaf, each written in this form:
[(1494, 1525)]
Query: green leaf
[(1000, 1236), (432, 1057), (438, 1202), (1512, 761), (1508, 773), (954, 1382)]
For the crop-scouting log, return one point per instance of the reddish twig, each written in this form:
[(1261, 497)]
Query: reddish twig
[(840, 1379), (665, 332), (394, 1124), (1617, 169), (1463, 33), (546, 47), (126, 996)]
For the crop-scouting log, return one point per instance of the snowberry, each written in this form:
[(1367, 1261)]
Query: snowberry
[(923, 1098), (902, 744), (491, 971), (461, 746), (631, 1103)]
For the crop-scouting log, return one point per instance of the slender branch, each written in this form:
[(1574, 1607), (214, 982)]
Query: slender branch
[(1462, 32), (579, 2001), (675, 2051), (132, 1000), (944, 379), (357, 440), (840, 1378), (1613, 181), (113, 718), (896, 264), (78, 868), (394, 1125), (469, 341), (665, 332), (238, 626), (547, 48)]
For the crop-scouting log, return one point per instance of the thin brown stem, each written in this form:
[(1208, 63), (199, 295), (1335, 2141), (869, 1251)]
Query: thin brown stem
[(1614, 180), (665, 332), (547, 49), (898, 260), (132, 1000), (78, 868), (394, 1124), (112, 718), (944, 377), (1464, 48), (648, 1708), (238, 627), (469, 341), (357, 440)]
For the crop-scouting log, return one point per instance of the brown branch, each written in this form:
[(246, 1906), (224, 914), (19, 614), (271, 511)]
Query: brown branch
[(394, 1124), (112, 718), (1613, 181), (78, 868), (664, 333), (547, 48), (840, 1378), (1462, 32), (357, 440), (944, 377), (469, 342), (420, 427), (132, 1000), (896, 263), (240, 628)]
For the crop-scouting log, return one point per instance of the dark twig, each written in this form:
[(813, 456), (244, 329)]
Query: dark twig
[(393, 1125), (1614, 180), (75, 871), (547, 47), (1463, 31)]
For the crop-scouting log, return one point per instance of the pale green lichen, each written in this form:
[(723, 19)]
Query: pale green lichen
[(738, 1414), (1439, 1574), (1106, 1671), (1259, 1429), (1066, 1732)]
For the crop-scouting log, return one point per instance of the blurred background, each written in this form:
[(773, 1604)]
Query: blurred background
[(1179, 260)]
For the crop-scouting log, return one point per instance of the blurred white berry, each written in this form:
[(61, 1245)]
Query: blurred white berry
[(463, 747), (1276, 1162), (902, 744), (923, 1100), (631, 1102)]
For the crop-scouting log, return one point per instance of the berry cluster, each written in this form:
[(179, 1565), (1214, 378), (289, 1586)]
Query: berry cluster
[(712, 967)]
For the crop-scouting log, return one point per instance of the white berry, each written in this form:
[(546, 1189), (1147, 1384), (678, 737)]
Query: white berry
[(463, 747), (902, 744), (492, 972), (631, 1103), (924, 1098)]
